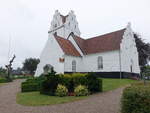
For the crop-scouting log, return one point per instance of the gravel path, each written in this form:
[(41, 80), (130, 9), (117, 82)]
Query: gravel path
[(108, 102)]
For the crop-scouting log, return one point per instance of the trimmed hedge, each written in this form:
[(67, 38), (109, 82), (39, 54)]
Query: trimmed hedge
[(49, 85), (29, 86), (136, 99), (32, 84), (67, 81), (94, 83), (80, 79), (3, 80)]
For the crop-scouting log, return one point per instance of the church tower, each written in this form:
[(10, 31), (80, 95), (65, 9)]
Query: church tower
[(64, 25)]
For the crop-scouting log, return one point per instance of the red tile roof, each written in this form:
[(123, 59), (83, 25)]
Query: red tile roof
[(107, 42), (67, 47)]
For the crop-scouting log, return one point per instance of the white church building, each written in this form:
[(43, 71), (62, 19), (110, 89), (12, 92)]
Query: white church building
[(110, 55)]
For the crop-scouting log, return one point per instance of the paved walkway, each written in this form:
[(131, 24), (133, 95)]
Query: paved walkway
[(108, 102)]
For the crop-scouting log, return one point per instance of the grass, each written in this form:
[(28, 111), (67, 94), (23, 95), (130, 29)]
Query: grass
[(36, 99), (111, 84)]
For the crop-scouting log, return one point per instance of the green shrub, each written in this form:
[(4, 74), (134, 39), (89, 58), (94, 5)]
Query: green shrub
[(67, 80), (20, 77), (29, 86), (81, 91), (61, 90), (32, 84), (72, 80), (136, 99), (3, 80), (36, 79), (94, 84), (79, 78), (49, 85)]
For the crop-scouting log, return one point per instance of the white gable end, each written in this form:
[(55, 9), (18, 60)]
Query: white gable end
[(51, 55), (129, 53)]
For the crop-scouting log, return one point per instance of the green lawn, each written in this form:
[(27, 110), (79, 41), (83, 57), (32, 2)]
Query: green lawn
[(36, 99), (111, 84)]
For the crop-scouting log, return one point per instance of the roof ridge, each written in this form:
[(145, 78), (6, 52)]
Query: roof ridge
[(105, 34)]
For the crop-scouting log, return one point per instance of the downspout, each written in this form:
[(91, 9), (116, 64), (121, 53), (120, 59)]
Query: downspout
[(120, 63), (64, 63)]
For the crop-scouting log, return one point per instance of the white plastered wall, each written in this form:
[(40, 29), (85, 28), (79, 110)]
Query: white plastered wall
[(50, 55), (68, 63), (88, 63), (129, 53)]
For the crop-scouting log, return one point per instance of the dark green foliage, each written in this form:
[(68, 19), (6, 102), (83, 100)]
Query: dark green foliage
[(136, 99), (48, 83), (67, 80), (20, 77), (49, 86), (100, 84), (71, 81), (146, 71), (32, 84), (80, 79), (36, 79), (29, 86), (30, 65), (94, 83), (2, 71), (143, 50), (3, 80)]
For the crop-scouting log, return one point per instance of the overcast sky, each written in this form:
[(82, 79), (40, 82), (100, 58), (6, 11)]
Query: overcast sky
[(27, 22)]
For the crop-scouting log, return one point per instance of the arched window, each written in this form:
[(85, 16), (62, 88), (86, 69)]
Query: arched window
[(73, 66), (100, 62), (131, 66)]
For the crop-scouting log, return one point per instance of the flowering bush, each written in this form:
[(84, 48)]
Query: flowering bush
[(81, 90), (61, 90)]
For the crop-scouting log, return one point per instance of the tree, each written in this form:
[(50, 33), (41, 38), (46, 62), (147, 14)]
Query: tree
[(9, 69), (30, 65), (146, 73), (143, 50)]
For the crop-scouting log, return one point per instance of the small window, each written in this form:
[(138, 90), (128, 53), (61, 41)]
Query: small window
[(75, 26), (69, 24), (100, 62), (73, 66)]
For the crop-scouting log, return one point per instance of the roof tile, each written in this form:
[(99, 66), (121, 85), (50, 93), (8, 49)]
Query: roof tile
[(103, 43), (67, 47)]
